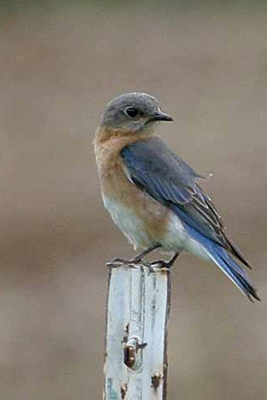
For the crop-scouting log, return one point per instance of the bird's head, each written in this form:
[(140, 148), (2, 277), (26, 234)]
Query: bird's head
[(133, 112)]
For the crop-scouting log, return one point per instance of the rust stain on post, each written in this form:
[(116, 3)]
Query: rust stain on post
[(124, 391), (129, 356), (155, 381), (127, 329)]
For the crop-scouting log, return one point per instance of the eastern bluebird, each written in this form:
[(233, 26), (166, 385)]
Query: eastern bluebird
[(153, 195)]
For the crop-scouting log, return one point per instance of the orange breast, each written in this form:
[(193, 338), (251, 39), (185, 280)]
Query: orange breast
[(143, 220)]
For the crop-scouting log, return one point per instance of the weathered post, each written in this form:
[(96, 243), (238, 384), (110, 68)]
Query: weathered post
[(136, 332)]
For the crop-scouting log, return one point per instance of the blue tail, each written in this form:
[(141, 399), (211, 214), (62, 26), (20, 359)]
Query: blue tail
[(226, 263)]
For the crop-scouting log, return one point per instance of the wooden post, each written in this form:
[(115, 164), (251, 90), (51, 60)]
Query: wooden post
[(136, 333)]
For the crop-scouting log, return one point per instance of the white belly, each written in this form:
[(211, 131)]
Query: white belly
[(127, 221), (177, 239), (174, 239)]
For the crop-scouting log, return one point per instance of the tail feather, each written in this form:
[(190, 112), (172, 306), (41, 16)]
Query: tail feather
[(227, 264), (237, 275), (238, 253)]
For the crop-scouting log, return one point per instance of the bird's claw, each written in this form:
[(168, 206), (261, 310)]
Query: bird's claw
[(120, 262), (117, 262), (155, 266), (160, 266)]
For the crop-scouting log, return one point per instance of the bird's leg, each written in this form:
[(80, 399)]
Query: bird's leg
[(173, 259), (141, 255), (136, 259), (166, 264)]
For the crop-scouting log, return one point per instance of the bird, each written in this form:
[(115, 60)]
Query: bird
[(153, 196)]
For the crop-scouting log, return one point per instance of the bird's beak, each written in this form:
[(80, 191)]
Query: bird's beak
[(161, 116)]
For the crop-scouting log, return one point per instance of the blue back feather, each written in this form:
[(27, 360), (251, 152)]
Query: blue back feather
[(155, 169)]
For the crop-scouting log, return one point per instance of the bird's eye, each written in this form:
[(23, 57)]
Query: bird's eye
[(131, 112)]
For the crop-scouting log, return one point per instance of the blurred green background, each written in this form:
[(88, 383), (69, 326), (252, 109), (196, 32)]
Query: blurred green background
[(60, 64)]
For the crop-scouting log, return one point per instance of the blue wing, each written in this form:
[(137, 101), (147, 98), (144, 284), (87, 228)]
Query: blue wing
[(168, 179), (155, 169)]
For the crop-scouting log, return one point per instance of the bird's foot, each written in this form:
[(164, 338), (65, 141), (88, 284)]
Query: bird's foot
[(137, 261), (120, 262), (117, 262), (159, 266), (162, 265)]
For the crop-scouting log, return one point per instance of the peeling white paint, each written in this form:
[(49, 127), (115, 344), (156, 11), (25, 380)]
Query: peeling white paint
[(137, 315)]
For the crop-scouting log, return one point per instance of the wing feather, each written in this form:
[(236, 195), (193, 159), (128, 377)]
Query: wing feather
[(155, 169)]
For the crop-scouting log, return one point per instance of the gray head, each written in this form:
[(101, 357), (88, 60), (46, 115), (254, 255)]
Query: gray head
[(133, 111)]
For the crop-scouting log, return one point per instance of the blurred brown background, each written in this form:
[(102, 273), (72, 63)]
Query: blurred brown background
[(207, 64)]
